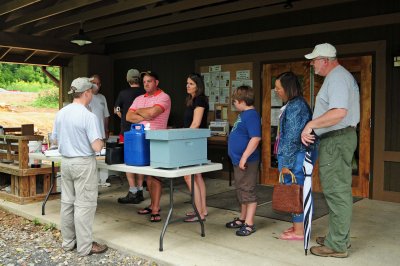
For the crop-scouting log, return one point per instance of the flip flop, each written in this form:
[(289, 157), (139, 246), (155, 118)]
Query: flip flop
[(291, 236), (193, 219), (290, 229), (145, 211), (192, 213), (155, 218)]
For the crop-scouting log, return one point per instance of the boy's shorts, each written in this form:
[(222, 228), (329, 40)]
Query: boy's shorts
[(245, 182)]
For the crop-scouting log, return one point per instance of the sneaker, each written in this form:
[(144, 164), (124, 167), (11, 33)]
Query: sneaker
[(98, 248), (321, 239), (129, 198), (324, 251), (139, 196)]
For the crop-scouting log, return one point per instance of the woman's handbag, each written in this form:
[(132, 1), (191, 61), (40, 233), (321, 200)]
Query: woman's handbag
[(287, 197)]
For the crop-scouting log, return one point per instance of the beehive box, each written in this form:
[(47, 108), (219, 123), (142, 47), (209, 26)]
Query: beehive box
[(173, 148)]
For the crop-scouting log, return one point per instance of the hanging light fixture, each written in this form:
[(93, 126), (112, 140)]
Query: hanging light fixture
[(80, 38)]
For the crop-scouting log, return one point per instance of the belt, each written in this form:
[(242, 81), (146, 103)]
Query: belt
[(337, 132)]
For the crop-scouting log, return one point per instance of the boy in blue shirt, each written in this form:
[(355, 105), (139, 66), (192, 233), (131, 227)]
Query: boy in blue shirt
[(245, 155)]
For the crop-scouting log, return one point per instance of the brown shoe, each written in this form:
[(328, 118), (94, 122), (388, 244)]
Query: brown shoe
[(324, 251), (98, 248), (321, 239)]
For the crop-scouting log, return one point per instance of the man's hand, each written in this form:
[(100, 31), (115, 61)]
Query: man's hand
[(306, 136)]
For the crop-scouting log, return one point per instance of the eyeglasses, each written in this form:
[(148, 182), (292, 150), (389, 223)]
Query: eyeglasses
[(318, 58)]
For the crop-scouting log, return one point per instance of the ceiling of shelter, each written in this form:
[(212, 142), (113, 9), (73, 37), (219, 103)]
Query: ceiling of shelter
[(39, 31)]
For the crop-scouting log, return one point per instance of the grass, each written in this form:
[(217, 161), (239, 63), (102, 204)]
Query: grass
[(36, 222), (50, 227)]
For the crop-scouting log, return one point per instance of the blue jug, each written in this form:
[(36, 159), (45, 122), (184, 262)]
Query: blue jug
[(136, 146)]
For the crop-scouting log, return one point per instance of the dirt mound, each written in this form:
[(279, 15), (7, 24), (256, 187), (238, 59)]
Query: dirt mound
[(16, 111)]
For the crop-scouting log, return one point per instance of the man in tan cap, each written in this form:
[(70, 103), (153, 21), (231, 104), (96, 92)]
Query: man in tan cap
[(336, 115), (124, 101), (78, 135)]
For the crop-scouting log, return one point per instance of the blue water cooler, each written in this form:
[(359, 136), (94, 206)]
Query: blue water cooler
[(136, 146)]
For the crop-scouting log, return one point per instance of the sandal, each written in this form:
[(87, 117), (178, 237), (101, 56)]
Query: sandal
[(145, 211), (192, 213), (246, 230), (291, 236), (236, 223), (290, 229), (193, 219), (155, 218)]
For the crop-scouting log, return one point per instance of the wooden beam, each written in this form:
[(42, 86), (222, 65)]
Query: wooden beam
[(40, 61), (5, 53), (92, 14), (52, 58), (22, 41), (156, 12), (15, 5), (55, 80), (341, 25), (144, 29), (29, 56), (179, 18), (47, 12)]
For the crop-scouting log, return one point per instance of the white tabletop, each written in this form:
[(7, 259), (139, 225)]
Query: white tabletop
[(145, 170)]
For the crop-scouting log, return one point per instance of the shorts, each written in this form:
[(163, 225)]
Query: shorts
[(246, 181)]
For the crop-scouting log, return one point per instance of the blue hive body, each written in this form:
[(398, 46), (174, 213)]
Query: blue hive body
[(173, 148)]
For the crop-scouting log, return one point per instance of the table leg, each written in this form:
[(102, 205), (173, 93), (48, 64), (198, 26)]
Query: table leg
[(52, 182), (195, 208), (171, 207)]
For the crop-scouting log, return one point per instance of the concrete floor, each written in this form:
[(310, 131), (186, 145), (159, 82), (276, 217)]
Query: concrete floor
[(375, 232)]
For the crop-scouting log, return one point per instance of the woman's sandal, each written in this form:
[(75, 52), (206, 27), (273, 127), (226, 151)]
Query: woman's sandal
[(290, 229), (236, 223), (246, 230), (192, 213), (145, 211), (193, 219), (155, 218), (291, 236)]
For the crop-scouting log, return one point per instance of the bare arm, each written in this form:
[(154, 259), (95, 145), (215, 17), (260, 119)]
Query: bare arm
[(106, 130), (197, 116), (149, 113), (251, 147), (133, 117), (97, 145), (330, 118)]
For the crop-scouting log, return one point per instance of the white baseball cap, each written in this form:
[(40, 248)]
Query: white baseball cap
[(322, 50), (81, 84)]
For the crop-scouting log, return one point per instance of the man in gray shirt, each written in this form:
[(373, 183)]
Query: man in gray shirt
[(336, 115), (79, 136)]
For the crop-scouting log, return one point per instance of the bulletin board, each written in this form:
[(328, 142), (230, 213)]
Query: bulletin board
[(220, 81)]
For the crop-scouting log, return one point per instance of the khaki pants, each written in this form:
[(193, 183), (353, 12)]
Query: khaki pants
[(335, 171), (78, 202)]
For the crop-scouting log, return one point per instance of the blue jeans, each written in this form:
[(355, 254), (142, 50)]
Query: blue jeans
[(297, 170)]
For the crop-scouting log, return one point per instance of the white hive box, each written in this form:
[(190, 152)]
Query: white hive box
[(172, 148)]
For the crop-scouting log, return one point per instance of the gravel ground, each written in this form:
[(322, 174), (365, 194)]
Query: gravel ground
[(24, 242)]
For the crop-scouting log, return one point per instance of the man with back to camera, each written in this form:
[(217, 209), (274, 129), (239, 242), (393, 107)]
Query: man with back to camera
[(99, 107), (336, 115), (124, 101), (152, 108), (78, 135)]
